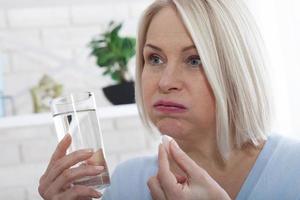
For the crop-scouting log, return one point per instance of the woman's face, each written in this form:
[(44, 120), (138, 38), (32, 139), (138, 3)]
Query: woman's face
[(177, 96)]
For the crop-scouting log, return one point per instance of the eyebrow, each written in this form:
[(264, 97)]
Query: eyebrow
[(159, 49)]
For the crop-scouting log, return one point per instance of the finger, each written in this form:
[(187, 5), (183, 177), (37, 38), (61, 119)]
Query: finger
[(166, 178), (65, 163), (78, 192), (60, 150), (180, 179), (155, 189), (183, 160), (166, 144), (70, 175)]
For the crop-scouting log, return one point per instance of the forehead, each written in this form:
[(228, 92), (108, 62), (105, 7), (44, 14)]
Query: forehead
[(167, 27)]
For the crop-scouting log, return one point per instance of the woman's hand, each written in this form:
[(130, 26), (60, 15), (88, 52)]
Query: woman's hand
[(56, 182), (196, 185)]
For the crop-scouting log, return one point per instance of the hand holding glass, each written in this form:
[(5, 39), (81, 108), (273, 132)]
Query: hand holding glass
[(76, 114)]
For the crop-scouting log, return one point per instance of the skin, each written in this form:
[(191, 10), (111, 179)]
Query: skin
[(173, 72), (189, 167), (55, 183), (176, 79)]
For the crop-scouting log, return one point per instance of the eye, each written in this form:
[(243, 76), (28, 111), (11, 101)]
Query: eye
[(155, 59), (194, 61)]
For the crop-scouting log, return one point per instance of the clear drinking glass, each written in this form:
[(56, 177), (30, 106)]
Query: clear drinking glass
[(76, 114)]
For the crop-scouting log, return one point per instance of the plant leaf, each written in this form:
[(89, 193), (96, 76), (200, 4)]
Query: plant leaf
[(116, 75), (113, 52), (115, 32), (106, 72)]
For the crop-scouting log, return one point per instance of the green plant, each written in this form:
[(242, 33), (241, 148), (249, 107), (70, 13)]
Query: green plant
[(113, 52)]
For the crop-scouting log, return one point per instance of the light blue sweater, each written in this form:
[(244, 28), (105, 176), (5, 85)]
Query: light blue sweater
[(274, 176)]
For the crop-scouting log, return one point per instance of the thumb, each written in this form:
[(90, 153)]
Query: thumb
[(183, 160)]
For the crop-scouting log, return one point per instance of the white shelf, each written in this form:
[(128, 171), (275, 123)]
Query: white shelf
[(45, 118)]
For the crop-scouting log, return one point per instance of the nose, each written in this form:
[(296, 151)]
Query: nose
[(171, 79)]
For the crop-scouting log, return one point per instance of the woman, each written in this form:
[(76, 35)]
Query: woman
[(201, 80)]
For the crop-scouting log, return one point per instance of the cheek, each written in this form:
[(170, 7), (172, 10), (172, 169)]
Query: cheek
[(205, 109), (145, 86), (148, 88)]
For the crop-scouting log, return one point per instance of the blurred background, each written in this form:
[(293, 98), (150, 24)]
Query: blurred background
[(45, 49)]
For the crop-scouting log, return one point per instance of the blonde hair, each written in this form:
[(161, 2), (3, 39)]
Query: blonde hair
[(233, 59)]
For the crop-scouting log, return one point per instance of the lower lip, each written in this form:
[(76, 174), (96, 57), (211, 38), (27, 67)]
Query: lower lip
[(170, 109)]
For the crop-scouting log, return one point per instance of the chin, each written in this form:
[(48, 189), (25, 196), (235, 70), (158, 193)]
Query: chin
[(170, 127)]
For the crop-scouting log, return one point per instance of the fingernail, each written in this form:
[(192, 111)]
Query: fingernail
[(88, 150), (99, 168), (67, 136), (97, 194)]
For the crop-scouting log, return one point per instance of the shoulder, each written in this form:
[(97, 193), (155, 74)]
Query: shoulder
[(129, 179), (285, 147), (283, 152), (136, 170), (275, 175), (286, 159), (137, 165), (281, 175)]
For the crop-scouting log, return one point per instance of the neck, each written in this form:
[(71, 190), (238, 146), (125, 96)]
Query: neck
[(230, 173), (203, 149)]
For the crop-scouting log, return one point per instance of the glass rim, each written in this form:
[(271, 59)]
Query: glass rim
[(83, 97)]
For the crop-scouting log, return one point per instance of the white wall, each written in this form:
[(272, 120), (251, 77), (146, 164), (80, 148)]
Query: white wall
[(279, 24), (50, 36), (26, 150)]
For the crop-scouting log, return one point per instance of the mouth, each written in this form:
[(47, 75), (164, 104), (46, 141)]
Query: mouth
[(169, 107)]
